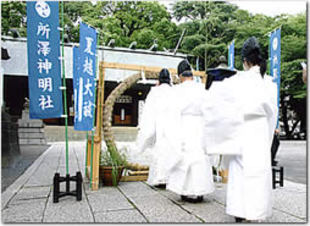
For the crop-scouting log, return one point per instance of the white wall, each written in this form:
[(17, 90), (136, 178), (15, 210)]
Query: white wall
[(17, 64)]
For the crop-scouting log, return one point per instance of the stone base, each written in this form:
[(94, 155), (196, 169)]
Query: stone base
[(30, 123), (30, 131), (32, 141)]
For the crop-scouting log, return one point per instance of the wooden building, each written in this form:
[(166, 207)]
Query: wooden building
[(127, 108)]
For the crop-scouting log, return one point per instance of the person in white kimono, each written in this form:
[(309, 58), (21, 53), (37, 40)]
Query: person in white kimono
[(221, 101), (191, 174), (152, 133), (249, 185)]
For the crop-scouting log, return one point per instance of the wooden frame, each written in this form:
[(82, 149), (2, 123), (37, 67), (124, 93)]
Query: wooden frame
[(134, 67), (100, 103)]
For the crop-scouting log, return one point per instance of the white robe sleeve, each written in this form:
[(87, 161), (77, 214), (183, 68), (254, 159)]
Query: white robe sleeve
[(173, 129), (271, 105), (147, 129), (223, 118)]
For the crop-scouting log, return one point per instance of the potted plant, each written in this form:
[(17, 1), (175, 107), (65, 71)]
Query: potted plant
[(111, 167)]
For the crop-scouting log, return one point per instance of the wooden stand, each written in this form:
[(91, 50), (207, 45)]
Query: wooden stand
[(277, 170), (136, 173), (133, 178), (77, 192)]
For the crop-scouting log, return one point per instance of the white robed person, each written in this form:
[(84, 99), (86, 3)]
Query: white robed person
[(154, 124), (245, 132), (190, 175)]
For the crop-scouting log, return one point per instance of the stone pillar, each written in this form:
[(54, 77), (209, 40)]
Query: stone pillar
[(9, 140), (30, 131)]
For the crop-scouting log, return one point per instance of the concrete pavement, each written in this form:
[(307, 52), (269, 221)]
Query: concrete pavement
[(15, 165), (292, 155), (29, 198)]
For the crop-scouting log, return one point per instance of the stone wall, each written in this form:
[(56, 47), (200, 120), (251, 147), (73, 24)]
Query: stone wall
[(30, 131)]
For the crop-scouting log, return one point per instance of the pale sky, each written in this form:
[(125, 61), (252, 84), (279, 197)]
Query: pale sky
[(266, 7), (272, 8)]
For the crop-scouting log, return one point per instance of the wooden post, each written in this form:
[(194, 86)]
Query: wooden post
[(97, 137), (204, 79), (101, 101), (96, 162), (88, 154), (224, 175)]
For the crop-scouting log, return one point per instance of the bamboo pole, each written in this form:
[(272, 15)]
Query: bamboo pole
[(134, 67), (89, 140), (64, 85), (86, 156), (97, 137), (92, 147)]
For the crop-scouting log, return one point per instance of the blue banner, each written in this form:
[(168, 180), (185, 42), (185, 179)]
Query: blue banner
[(275, 61), (231, 55), (43, 47), (85, 79), (76, 72)]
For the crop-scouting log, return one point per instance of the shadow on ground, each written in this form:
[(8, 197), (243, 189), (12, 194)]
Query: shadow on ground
[(14, 166)]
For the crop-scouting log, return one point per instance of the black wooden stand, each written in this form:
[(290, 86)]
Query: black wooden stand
[(58, 179), (277, 180)]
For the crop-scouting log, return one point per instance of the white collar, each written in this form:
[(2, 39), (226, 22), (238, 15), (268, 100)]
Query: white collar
[(255, 69)]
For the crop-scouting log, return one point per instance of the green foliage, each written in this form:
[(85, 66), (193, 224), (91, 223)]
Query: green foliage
[(113, 157), (293, 47), (210, 26), (193, 41), (209, 34), (194, 10), (191, 10), (144, 38), (291, 82), (13, 15)]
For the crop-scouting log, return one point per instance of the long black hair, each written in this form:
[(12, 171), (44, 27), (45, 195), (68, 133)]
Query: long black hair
[(251, 53)]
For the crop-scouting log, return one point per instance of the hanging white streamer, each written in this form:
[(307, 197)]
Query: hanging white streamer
[(143, 77)]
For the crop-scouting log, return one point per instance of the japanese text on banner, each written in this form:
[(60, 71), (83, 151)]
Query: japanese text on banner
[(275, 60), (43, 47), (84, 79)]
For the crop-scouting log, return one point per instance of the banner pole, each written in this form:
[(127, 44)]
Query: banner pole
[(92, 135), (64, 85)]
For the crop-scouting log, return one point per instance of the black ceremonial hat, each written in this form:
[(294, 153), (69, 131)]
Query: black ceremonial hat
[(184, 66), (250, 46), (164, 74)]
